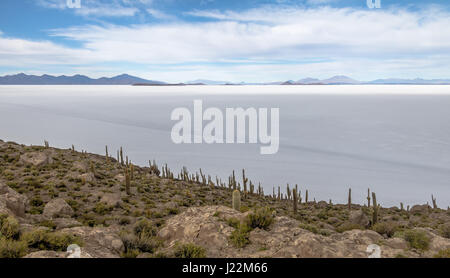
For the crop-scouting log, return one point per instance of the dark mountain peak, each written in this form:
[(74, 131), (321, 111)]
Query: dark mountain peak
[(45, 79)]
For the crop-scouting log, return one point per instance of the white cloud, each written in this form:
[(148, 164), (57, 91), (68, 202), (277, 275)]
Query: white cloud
[(116, 8), (361, 43), (160, 15)]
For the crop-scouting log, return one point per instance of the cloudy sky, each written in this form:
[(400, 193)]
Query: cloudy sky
[(232, 40)]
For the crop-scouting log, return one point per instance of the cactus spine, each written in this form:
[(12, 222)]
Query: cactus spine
[(236, 200)]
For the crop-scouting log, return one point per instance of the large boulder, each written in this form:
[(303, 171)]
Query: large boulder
[(111, 199), (37, 159), (204, 226), (11, 202), (57, 208), (98, 242), (420, 209), (358, 217)]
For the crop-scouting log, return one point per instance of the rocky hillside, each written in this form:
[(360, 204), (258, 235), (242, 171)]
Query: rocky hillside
[(52, 198)]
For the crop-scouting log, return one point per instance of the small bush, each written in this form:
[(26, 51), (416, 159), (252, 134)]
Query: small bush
[(102, 208), (48, 223), (443, 254), (240, 236), (417, 239), (261, 218), (12, 249), (134, 243), (309, 227), (347, 226), (9, 228), (36, 202), (190, 251), (54, 241), (124, 221), (145, 228), (233, 222), (445, 230)]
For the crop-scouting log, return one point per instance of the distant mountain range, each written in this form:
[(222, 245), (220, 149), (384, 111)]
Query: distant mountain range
[(23, 79), (125, 79)]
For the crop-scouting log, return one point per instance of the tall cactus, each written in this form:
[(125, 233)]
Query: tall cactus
[(127, 181), (434, 202), (368, 197), (306, 196), (92, 167), (375, 209), (107, 155), (236, 200), (244, 181), (349, 199), (294, 195), (121, 156), (131, 171)]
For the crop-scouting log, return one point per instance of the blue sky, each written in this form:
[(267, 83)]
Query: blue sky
[(245, 40)]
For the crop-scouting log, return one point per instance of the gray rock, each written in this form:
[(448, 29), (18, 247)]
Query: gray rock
[(11, 202), (420, 209), (57, 208), (37, 159), (358, 217)]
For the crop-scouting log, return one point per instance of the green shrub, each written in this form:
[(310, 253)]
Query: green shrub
[(233, 222), (417, 239), (102, 208), (347, 226), (240, 236), (12, 249), (44, 240), (443, 254), (36, 202), (130, 254), (309, 227), (261, 218), (124, 221), (445, 230), (145, 228), (139, 243), (9, 228), (190, 251), (48, 223)]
